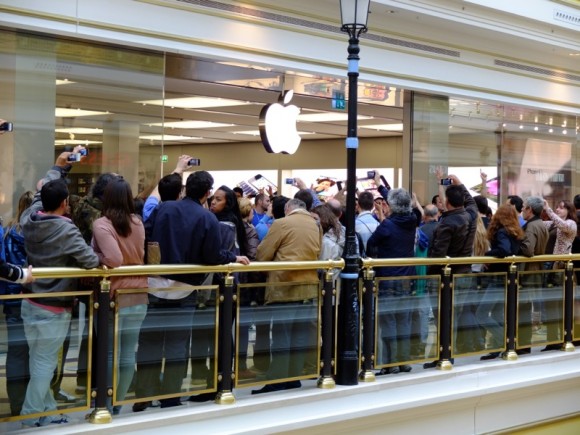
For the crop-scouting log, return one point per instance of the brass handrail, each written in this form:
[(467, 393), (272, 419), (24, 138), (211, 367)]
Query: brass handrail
[(265, 266), (169, 269)]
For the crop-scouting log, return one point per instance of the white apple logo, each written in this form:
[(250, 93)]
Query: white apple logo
[(278, 126)]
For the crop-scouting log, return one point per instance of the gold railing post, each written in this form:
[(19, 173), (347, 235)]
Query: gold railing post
[(368, 329), (225, 395), (445, 310), (101, 414), (511, 317), (569, 308), (326, 381)]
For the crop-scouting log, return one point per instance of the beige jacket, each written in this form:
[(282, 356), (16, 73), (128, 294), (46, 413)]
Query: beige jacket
[(296, 237)]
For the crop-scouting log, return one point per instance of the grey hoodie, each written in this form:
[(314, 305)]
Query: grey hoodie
[(54, 241)]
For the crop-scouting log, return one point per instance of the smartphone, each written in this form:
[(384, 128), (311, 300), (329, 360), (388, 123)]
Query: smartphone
[(84, 151), (194, 162), (371, 174), (446, 181), (290, 180), (339, 185), (6, 126), (260, 182), (74, 157)]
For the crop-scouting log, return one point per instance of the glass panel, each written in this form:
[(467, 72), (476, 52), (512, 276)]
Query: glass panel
[(489, 303), (540, 309), (405, 323), (479, 302), (49, 342), (179, 325), (576, 308), (279, 340)]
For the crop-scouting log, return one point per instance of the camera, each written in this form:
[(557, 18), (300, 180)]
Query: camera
[(290, 180), (194, 162), (6, 126), (371, 174), (446, 182)]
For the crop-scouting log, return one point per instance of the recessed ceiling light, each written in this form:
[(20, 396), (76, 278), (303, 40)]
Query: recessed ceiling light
[(75, 142), (80, 130), (168, 137), (191, 124), (257, 132), (328, 117), (63, 112), (384, 127), (195, 102)]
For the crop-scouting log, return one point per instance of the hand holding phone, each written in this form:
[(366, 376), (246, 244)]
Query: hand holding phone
[(6, 126), (446, 182)]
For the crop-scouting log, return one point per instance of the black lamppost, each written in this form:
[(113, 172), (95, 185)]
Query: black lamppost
[(354, 14)]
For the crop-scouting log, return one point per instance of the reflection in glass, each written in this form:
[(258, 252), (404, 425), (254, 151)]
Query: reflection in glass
[(278, 340), (406, 329)]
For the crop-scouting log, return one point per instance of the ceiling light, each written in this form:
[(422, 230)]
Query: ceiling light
[(168, 137), (328, 117), (536, 128), (63, 82), (564, 131), (191, 124), (384, 127), (257, 132), (63, 112), (551, 130), (521, 127), (80, 130), (75, 142), (195, 102)]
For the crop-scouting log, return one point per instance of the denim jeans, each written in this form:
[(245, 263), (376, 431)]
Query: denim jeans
[(490, 312), (395, 306), (129, 326), (45, 332), (17, 374)]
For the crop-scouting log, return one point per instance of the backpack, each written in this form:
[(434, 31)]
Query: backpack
[(12, 251)]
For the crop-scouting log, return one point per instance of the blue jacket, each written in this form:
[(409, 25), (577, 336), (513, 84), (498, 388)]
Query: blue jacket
[(187, 233), (394, 238)]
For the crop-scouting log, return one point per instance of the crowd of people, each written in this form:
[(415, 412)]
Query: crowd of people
[(193, 224)]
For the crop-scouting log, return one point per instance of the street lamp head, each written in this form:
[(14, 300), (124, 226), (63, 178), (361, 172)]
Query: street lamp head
[(354, 15)]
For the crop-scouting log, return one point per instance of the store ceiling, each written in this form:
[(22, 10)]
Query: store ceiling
[(253, 87)]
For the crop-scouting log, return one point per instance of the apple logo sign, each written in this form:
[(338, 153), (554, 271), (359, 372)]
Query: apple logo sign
[(278, 126)]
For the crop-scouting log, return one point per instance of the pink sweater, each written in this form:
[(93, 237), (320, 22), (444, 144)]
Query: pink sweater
[(114, 251)]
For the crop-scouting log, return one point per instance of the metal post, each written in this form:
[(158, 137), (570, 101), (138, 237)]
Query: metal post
[(368, 316), (511, 315), (225, 348), (445, 311), (349, 312), (326, 381), (101, 413), (569, 308)]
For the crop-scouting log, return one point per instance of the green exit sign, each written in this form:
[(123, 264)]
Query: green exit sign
[(338, 100), (164, 158)]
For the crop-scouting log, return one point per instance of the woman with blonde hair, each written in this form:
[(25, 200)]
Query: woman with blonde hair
[(505, 236)]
